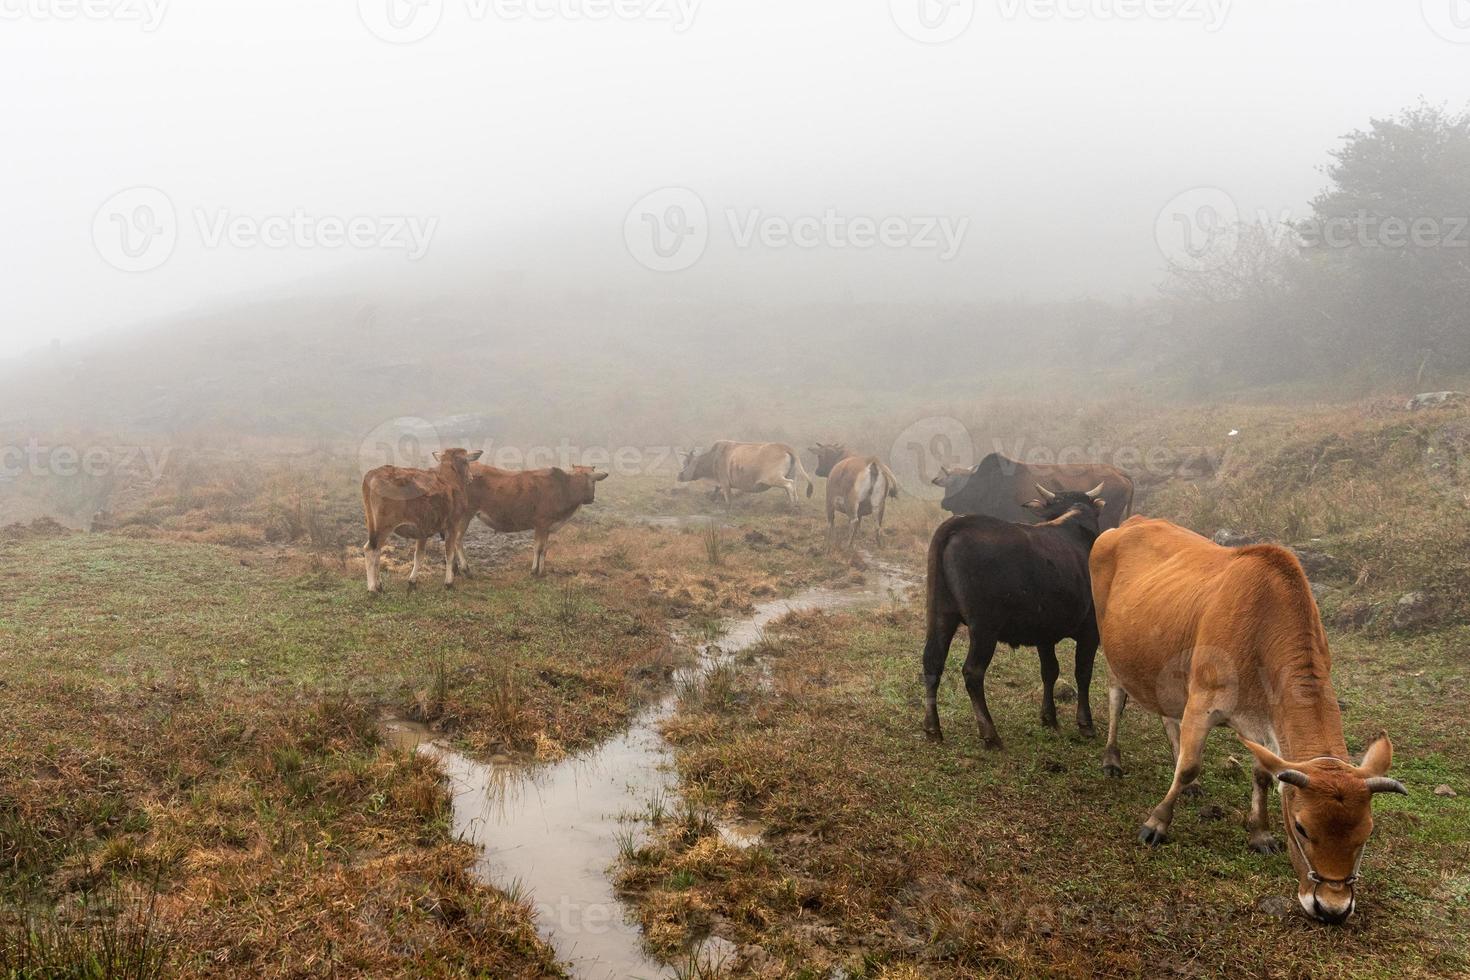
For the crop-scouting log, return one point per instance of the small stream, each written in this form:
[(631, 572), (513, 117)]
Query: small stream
[(554, 828)]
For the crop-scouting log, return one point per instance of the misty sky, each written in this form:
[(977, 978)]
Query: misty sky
[(518, 134)]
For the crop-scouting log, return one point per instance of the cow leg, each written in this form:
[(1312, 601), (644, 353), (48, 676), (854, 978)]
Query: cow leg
[(1192, 732), (831, 526), (982, 649), (942, 626), (461, 561), (853, 523), (1262, 841), (452, 552), (420, 545), (1112, 758), (538, 556), (1086, 657), (1049, 673), (1171, 729), (372, 555)]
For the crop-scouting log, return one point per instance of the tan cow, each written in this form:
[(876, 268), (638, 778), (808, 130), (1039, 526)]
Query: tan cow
[(416, 504), (750, 467), (856, 487), (1205, 637), (526, 500)]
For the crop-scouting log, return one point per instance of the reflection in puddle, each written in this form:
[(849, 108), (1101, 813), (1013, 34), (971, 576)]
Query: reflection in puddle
[(555, 828)]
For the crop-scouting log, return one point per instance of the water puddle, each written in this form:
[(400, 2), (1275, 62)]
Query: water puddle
[(554, 829)]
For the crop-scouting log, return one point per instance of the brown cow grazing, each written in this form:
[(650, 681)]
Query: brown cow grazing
[(1206, 636), (856, 487), (999, 486), (416, 504), (526, 500), (750, 467)]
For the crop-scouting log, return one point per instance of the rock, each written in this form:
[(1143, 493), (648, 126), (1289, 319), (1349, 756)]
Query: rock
[(1212, 812), (1276, 906), (1433, 399), (1322, 593), (754, 958), (1414, 609), (715, 953), (1319, 564), (1354, 614), (1443, 789), (1227, 538), (1064, 693)]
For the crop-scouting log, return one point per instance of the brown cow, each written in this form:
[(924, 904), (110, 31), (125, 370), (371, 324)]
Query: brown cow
[(416, 504), (526, 500), (856, 486), (750, 467), (999, 486), (1206, 636)]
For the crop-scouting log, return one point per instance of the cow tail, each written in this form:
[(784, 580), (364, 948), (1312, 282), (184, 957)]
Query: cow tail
[(367, 513), (892, 480), (796, 468), (936, 586)]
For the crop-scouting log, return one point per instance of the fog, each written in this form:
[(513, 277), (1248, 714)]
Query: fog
[(514, 138)]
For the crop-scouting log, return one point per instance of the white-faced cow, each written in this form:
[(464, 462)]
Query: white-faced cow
[(416, 504), (1019, 584), (1000, 487), (856, 487), (750, 467), (527, 500), (1205, 637)]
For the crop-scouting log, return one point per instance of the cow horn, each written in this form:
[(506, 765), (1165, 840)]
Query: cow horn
[(1045, 493), (1382, 784), (1096, 490), (1294, 777)]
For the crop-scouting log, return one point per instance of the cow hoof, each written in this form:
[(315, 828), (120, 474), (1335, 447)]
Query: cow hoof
[(1087, 731), (933, 735), (1049, 723), (994, 744), (1150, 836), (449, 585), (1193, 791), (412, 585), (1112, 770), (1266, 844)]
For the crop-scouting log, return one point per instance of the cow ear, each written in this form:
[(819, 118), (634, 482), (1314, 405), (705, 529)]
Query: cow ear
[(1034, 505), (1378, 758), (438, 456), (1100, 503), (475, 455), (1269, 761), (599, 477)]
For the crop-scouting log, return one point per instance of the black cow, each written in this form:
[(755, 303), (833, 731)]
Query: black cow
[(1019, 584), (1000, 487)]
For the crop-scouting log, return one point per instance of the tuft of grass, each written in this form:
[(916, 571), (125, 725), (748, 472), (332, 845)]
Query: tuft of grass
[(107, 936), (714, 543)]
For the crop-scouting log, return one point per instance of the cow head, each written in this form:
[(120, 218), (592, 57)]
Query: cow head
[(583, 481), (458, 461), (689, 465), (828, 456), (953, 481), (1327, 806), (1050, 506)]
